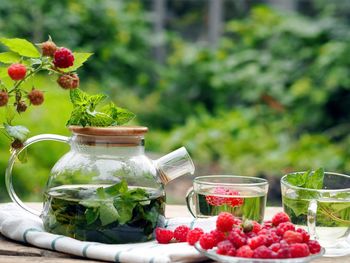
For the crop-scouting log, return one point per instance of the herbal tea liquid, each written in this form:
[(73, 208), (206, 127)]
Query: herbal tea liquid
[(248, 204), (77, 212)]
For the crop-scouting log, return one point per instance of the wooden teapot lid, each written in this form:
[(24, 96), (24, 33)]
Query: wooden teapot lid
[(111, 136), (110, 131)]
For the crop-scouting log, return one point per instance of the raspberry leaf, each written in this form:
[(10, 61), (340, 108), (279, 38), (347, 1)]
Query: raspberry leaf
[(21, 46), (9, 57), (79, 60)]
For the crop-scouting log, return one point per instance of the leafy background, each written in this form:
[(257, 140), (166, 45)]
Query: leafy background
[(273, 97)]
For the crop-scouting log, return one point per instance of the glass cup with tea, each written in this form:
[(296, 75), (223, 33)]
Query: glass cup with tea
[(324, 212), (244, 197)]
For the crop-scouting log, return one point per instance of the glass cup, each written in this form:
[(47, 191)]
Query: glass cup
[(325, 212), (244, 197)]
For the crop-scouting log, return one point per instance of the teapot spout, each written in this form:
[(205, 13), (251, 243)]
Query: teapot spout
[(174, 164)]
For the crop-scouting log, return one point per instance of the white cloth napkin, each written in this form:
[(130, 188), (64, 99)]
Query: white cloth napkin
[(21, 226)]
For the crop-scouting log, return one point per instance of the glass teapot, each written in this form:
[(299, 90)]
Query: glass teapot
[(105, 189)]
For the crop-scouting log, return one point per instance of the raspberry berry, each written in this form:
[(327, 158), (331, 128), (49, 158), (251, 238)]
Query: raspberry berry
[(164, 236), (225, 222), (207, 241), (48, 48), (36, 97), (21, 106), (292, 237), (194, 235), (257, 241), (264, 252), (4, 98), (219, 200), (314, 246), (306, 236), (180, 233), (283, 227), (68, 81), (226, 248), (63, 58), (237, 238), (245, 252), (279, 218), (17, 71), (275, 247), (299, 250), (256, 227), (218, 235)]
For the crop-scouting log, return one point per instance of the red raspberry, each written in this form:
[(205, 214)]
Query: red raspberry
[(180, 233), (219, 200), (226, 248), (224, 222), (257, 241), (4, 98), (48, 48), (299, 250), (283, 252), (267, 224), (164, 236), (264, 252), (272, 237), (207, 241), (256, 227), (306, 236), (219, 236), (264, 231), (279, 218), (283, 227), (314, 246), (275, 247), (292, 237), (244, 252), (36, 97), (250, 234), (237, 238), (21, 106), (17, 71), (63, 58), (68, 81), (194, 235)]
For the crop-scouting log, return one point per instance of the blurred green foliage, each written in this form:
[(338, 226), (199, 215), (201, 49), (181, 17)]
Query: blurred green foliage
[(272, 98)]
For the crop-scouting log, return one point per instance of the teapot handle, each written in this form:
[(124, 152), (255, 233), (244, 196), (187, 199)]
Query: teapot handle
[(15, 153)]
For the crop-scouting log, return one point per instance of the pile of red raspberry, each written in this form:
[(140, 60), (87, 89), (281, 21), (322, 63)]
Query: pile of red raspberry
[(277, 238), (217, 198)]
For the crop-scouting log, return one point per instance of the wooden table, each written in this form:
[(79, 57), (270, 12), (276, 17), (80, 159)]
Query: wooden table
[(15, 252)]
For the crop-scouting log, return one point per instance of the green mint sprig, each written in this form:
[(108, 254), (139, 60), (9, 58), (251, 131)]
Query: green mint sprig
[(85, 111), (121, 209)]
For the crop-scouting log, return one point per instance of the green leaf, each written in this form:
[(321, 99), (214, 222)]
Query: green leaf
[(21, 46), (118, 188), (9, 57), (298, 206), (298, 179), (108, 213), (91, 215), (315, 179), (120, 115), (17, 132), (125, 208), (3, 73), (79, 59), (100, 193), (10, 114), (78, 96)]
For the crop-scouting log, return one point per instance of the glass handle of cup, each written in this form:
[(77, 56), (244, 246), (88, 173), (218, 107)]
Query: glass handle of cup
[(311, 219), (13, 158), (189, 201)]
